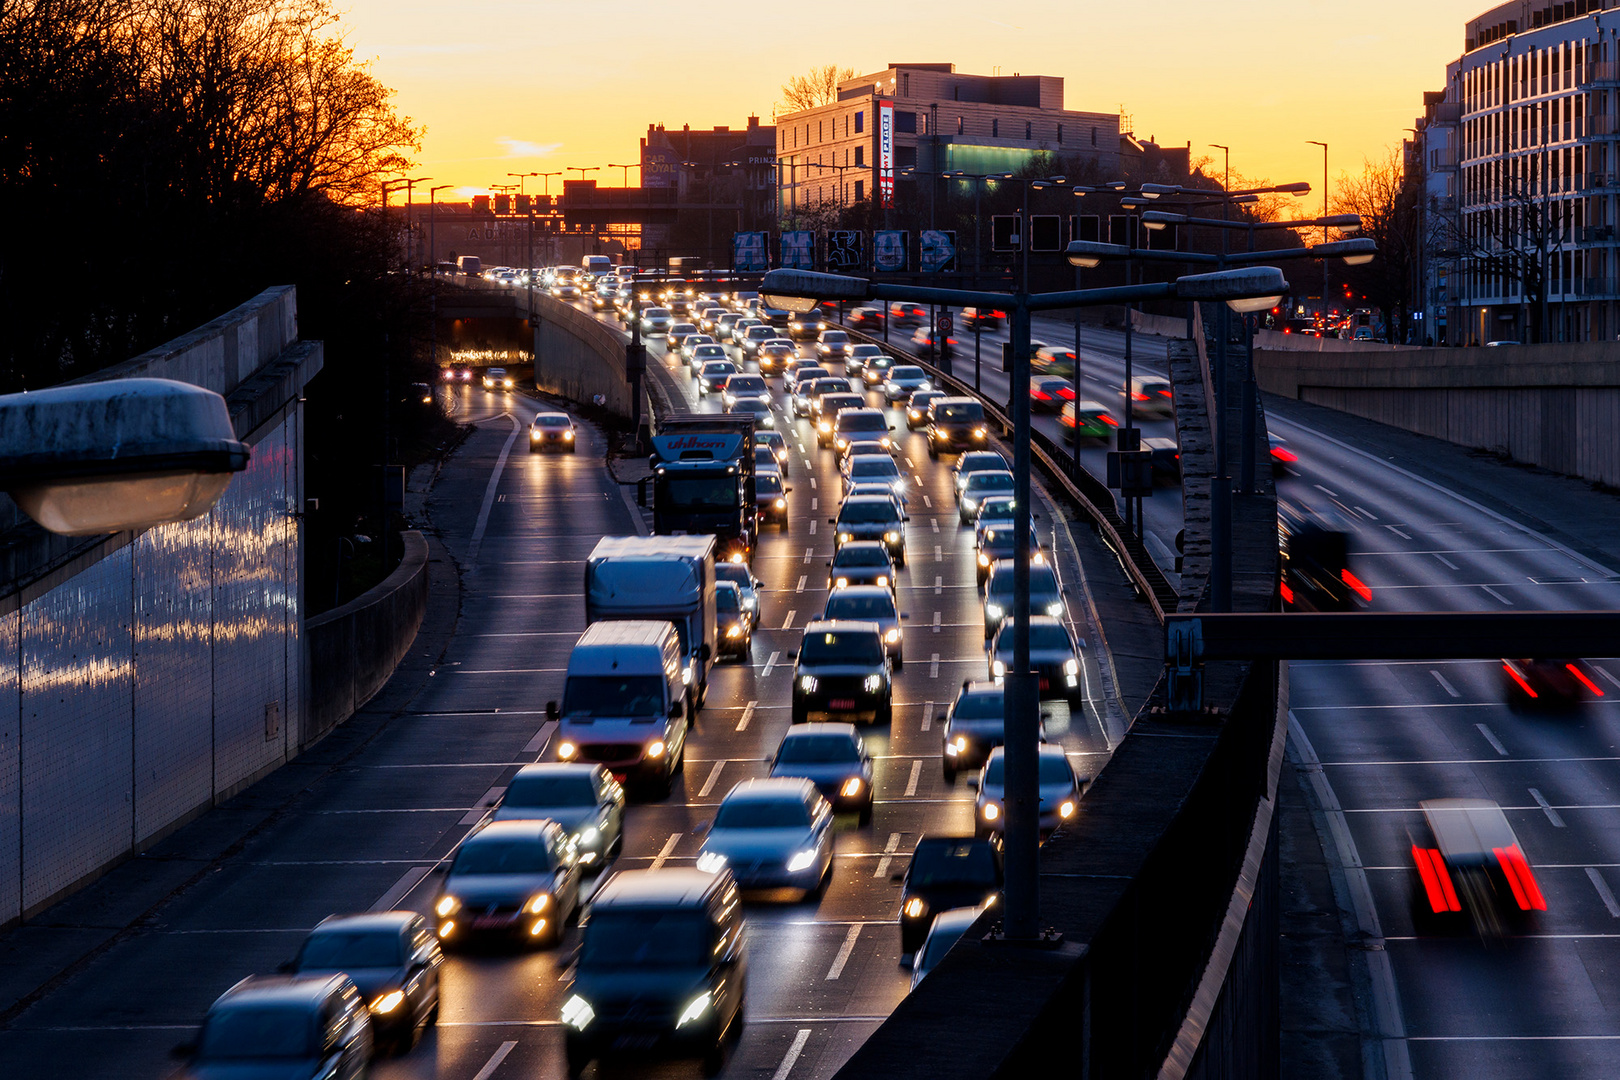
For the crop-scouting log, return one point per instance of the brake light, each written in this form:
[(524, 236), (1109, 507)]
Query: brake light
[(1164, 393), (1066, 394), (1287, 593), (1514, 672), (1040, 395), (1526, 893), (1109, 420), (1436, 882), (1139, 397), (1282, 454), (1588, 683), (1355, 584)]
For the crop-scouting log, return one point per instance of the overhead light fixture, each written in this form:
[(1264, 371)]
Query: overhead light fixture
[(801, 290), (1358, 251), (1244, 290), (1089, 253), (1348, 223), (1158, 219), (1300, 188)]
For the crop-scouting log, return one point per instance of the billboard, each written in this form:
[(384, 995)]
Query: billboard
[(844, 250), (938, 254), (1045, 232), (660, 166), (750, 252), (885, 154), (798, 250), (891, 249)]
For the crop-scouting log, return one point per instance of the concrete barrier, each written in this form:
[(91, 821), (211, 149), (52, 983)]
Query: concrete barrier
[(1276, 340), (354, 649), (1557, 406)]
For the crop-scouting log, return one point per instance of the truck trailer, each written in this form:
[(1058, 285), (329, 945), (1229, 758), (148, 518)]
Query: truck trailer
[(662, 578)]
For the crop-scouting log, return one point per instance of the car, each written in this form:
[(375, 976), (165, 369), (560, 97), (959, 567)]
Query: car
[(778, 447), (1363, 333), (905, 380), (975, 487), (1052, 360), (758, 406), (283, 1025), (1047, 393), (1054, 655), (872, 468), (861, 562), (1165, 458), (956, 423), (740, 328), (858, 355), (867, 447), (773, 355), (1471, 870), (976, 461), (794, 364), (690, 346), (551, 431), (1059, 791), (754, 338), (456, 374), (772, 834), (974, 725), (833, 345), (565, 290), (516, 879), (870, 603), (662, 969), (876, 368), (734, 629), (496, 378), (713, 375), (580, 796), (1546, 684), (982, 318), (805, 326), (1281, 456), (842, 673), (678, 332), (724, 322), (1045, 593), (799, 386), (917, 408), (902, 313), (748, 586), (394, 960), (1152, 396), (857, 422), (945, 872), (770, 497), (834, 758), (925, 341), (872, 517), (945, 931), (828, 407), (743, 384), (993, 542), (706, 354), (656, 320), (820, 388), (1086, 420), (866, 318), (881, 491)]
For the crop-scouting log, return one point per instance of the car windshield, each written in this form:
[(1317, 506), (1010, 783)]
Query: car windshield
[(641, 938), (861, 422), (868, 512), (563, 790), (768, 483), (704, 352), (939, 943), (1042, 579), (613, 695), (716, 368), (683, 328), (830, 386), (842, 647), (817, 750), (875, 606), (345, 950), (551, 421), (860, 555), (747, 384), (246, 1032), (989, 481), (1054, 770), (655, 313), (979, 706), (901, 373), (979, 461), (502, 857), (958, 410), (957, 862), (834, 336), (699, 492), (924, 398), (727, 599), (762, 814), (1042, 636), (874, 466)]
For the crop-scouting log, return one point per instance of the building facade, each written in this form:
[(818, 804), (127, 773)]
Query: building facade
[(1523, 172), (715, 167)]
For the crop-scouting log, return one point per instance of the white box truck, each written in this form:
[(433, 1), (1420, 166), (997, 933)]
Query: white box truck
[(659, 577)]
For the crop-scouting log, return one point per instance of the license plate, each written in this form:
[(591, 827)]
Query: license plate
[(1046, 684), (635, 1042), (841, 703), (493, 922)]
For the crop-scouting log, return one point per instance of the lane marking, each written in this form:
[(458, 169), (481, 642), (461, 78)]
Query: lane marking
[(489, 798), (1446, 561), (936, 622), (1604, 892), (910, 464), (888, 854), (1498, 595), (666, 850), (1325, 491), (1490, 737), (401, 888), (1612, 680), (939, 556), (816, 503), (809, 553), (933, 666), (1441, 679), (495, 1060), (842, 958), (748, 710), (1370, 515), (489, 492), (786, 1067), (927, 502), (787, 623), (934, 523), (928, 714), (541, 737), (1546, 808), (1396, 530), (812, 479), (939, 585), (770, 663), (812, 526), (800, 586), (714, 774), (916, 774)]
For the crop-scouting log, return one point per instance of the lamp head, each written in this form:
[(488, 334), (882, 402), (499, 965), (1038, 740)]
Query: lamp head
[(1348, 223), (1089, 253), (1298, 189), (1355, 252), (1247, 289), (801, 290)]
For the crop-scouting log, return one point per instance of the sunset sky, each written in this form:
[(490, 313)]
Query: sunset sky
[(513, 86)]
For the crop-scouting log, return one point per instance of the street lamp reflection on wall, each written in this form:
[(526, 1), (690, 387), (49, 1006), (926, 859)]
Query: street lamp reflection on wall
[(94, 458)]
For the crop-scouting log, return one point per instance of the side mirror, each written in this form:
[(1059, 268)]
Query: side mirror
[(788, 491), (832, 521), (793, 654), (552, 712), (942, 719)]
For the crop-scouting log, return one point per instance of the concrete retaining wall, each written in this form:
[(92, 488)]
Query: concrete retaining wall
[(576, 356), (1557, 406), (1276, 340), (354, 649)]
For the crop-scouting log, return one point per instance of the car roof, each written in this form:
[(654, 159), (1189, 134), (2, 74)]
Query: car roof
[(841, 626), (306, 990), (954, 920), (861, 545), (772, 790), (862, 500), (1045, 749), (558, 768), (667, 886), (853, 458), (861, 590), (523, 829), (1467, 827), (396, 921), (805, 731)]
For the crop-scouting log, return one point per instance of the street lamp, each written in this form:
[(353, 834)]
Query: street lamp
[(626, 169), (433, 226), (1325, 213)]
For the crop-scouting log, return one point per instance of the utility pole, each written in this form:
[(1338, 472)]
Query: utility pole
[(1325, 213)]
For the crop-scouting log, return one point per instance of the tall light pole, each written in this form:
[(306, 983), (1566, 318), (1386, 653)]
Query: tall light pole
[(1325, 213), (433, 226), (626, 169)]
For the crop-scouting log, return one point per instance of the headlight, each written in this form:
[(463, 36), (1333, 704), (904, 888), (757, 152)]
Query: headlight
[(984, 560), (914, 414), (577, 1013), (655, 748), (801, 861), (587, 835), (567, 750), (447, 905), (892, 636), (447, 928), (387, 1003), (781, 455), (711, 862), (959, 743), (686, 675), (533, 435), (508, 384), (998, 669), (969, 502), (839, 583), (694, 1009), (892, 537), (886, 442), (851, 788), (1071, 667), (1066, 811), (734, 631), (842, 443), (915, 908), (993, 610), (1055, 609), (872, 684), (991, 811), (844, 538), (824, 426), (781, 504), (568, 434), (807, 683), (978, 433), (538, 903), (882, 579)]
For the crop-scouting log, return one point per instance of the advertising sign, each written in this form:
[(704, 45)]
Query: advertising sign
[(844, 252), (886, 154), (750, 252), (799, 250), (938, 253), (660, 166), (890, 248)]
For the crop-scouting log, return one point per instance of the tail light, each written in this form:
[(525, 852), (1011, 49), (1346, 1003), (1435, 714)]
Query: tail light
[(1138, 397), (1514, 674), (1437, 888), (1040, 395), (1526, 893), (1588, 683), (1109, 420), (1283, 454), (1287, 593), (1066, 394), (1355, 584), (1165, 393)]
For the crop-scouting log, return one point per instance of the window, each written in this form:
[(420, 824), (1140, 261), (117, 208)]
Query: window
[(1029, 130), (905, 122), (905, 155), (860, 155), (820, 134), (905, 84), (922, 119), (860, 190), (1060, 135), (1093, 136), (995, 128), (860, 122), (846, 127), (959, 125)]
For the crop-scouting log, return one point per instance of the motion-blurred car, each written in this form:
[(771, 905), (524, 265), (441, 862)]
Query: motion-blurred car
[(870, 603), (872, 517), (708, 354), (926, 340), (804, 388), (1281, 456), (975, 725), (733, 627), (1086, 420), (1547, 684), (1471, 870), (496, 378), (778, 447), (394, 961), (773, 356), (832, 345), (514, 879), (872, 468), (283, 1026), (859, 355), (1059, 791), (841, 673), (860, 447), (1045, 593), (876, 368), (861, 562), (945, 872), (582, 797), (771, 834), (1314, 552), (754, 338), (1166, 459), (1054, 655), (947, 929), (982, 318), (917, 408), (903, 381), (551, 431), (1047, 393), (1151, 396), (956, 423), (834, 758), (866, 318)]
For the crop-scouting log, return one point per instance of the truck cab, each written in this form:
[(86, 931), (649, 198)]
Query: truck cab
[(703, 480)]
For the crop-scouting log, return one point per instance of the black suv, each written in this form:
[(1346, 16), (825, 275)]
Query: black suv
[(807, 325), (872, 517), (842, 673), (956, 423), (945, 872)]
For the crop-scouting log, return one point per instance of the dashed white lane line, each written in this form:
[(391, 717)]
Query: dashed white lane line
[(800, 586), (1546, 808), (489, 493), (939, 585), (933, 523), (928, 715), (1446, 561), (1325, 491), (1605, 893), (787, 623), (933, 665), (842, 958), (748, 710), (936, 622), (1490, 737), (1396, 530), (815, 504), (770, 663), (939, 555), (1370, 515), (1498, 595), (495, 1060), (910, 464), (667, 850), (1611, 679), (792, 1055), (812, 479), (812, 526), (888, 854), (389, 900), (911, 783), (929, 503), (487, 800), (809, 553), (714, 775), (541, 737), (1444, 683)]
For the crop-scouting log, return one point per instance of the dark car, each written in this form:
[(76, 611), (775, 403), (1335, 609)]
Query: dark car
[(861, 562), (872, 517), (580, 796), (828, 407), (1166, 459), (394, 961), (982, 318), (513, 879), (552, 431), (945, 872), (876, 368), (1048, 393), (996, 541), (748, 586), (713, 375), (770, 498), (1547, 684), (975, 725), (833, 757), (832, 345), (917, 408), (1045, 593), (866, 318), (1471, 870), (976, 487), (732, 625), (289, 1026), (1054, 654), (870, 603), (841, 672), (956, 423), (859, 355), (806, 325)]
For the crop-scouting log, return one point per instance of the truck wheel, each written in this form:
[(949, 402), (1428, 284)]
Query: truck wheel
[(579, 1057)]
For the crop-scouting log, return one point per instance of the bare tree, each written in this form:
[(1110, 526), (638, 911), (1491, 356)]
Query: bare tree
[(819, 87), (1388, 202)]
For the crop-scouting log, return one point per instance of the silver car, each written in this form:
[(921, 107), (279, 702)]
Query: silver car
[(833, 757), (772, 834), (1045, 592), (583, 798), (656, 320), (905, 380), (1060, 791), (518, 879), (875, 604), (977, 488), (947, 930), (877, 468), (1054, 654)]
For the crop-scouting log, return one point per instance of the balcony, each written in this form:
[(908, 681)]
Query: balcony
[(1606, 73), (1447, 112), (1600, 126), (1443, 159), (1597, 234), (1593, 288)]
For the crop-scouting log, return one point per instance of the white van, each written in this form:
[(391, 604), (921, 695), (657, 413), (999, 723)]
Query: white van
[(624, 702), (594, 266)]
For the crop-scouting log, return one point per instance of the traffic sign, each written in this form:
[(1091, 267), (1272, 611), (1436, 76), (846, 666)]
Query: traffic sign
[(945, 324)]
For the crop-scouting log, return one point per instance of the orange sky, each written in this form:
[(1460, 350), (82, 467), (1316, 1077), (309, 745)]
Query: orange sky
[(510, 86)]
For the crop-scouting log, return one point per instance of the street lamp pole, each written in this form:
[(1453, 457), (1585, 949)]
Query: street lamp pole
[(626, 169), (433, 226), (1326, 211)]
